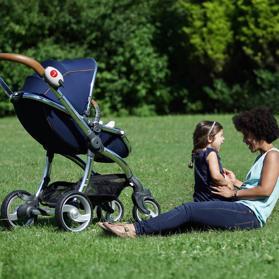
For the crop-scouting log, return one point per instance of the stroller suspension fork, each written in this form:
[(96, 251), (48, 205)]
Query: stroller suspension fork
[(140, 194)]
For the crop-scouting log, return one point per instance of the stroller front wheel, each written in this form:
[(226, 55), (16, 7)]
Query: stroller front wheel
[(15, 210), (154, 210), (114, 213), (73, 212)]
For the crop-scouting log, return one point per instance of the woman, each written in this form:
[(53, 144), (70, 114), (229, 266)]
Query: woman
[(255, 198)]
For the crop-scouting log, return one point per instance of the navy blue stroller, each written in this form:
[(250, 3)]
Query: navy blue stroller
[(54, 106)]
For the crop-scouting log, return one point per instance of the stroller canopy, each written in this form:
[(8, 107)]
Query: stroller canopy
[(54, 129), (78, 76)]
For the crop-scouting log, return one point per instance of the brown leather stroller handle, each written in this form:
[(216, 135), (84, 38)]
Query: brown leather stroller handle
[(30, 62)]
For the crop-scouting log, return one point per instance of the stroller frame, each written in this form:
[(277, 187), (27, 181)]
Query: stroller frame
[(28, 212)]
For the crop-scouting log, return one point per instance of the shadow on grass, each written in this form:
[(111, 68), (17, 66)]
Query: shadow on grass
[(50, 222)]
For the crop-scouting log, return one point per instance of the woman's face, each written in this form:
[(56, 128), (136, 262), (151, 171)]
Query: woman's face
[(251, 142)]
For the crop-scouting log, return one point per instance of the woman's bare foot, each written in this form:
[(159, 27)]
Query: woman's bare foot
[(121, 230)]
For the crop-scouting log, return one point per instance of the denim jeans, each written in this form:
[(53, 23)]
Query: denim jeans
[(211, 214)]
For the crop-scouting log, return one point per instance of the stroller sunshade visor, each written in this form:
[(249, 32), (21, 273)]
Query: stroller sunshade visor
[(79, 75)]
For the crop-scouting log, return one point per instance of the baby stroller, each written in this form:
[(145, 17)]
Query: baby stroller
[(54, 107)]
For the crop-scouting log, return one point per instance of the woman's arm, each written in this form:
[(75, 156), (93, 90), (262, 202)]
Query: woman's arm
[(215, 174), (269, 176)]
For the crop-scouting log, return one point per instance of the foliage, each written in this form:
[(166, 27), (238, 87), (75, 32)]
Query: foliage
[(266, 88), (154, 57), (257, 30), (118, 34), (234, 45), (208, 31)]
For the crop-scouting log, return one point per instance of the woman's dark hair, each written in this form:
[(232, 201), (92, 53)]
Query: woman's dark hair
[(203, 131), (258, 122)]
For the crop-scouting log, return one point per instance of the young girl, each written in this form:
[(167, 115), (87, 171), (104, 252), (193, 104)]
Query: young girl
[(207, 140)]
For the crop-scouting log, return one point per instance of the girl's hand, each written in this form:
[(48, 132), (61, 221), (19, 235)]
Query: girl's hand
[(223, 191), (230, 175)]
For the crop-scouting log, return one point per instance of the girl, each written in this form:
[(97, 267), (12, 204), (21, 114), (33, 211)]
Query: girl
[(207, 140)]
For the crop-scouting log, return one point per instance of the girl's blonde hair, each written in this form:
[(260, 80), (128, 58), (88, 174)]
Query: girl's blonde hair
[(204, 130)]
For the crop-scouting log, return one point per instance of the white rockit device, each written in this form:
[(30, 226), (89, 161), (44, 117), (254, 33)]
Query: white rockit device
[(53, 77)]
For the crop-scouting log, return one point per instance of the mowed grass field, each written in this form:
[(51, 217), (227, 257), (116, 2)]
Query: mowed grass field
[(161, 148)]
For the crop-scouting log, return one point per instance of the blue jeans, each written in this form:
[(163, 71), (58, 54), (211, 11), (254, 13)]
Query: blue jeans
[(211, 214)]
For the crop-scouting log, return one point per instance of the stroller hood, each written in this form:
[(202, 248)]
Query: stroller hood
[(79, 76), (55, 129)]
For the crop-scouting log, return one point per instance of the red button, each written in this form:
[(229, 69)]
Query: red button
[(53, 73)]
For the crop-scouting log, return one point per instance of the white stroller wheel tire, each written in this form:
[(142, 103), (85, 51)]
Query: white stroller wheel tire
[(153, 207), (116, 216), (73, 212), (9, 210)]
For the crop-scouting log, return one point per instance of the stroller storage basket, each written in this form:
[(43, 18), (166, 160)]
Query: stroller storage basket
[(106, 187), (101, 188), (52, 193)]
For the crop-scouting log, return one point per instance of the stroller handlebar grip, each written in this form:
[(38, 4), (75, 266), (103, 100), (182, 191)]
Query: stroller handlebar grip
[(22, 59)]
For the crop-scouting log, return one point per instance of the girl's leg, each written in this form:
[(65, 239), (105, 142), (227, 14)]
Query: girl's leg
[(212, 214)]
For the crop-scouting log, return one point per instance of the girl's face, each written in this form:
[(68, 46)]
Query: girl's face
[(218, 140)]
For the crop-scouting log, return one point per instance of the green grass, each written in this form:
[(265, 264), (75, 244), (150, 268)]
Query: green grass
[(161, 151)]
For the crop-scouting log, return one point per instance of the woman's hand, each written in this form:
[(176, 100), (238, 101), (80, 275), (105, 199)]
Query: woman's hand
[(229, 184), (223, 191)]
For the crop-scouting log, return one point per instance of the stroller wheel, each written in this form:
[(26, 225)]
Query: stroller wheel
[(15, 210), (112, 211), (73, 212), (153, 207)]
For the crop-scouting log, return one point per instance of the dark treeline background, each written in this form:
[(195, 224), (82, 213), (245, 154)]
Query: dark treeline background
[(154, 56)]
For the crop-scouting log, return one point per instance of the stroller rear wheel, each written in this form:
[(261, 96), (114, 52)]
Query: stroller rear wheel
[(15, 211), (73, 212), (114, 213), (153, 207)]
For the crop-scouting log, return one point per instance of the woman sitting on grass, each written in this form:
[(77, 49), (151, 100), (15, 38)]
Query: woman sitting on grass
[(254, 199)]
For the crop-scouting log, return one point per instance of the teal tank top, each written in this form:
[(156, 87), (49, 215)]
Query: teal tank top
[(262, 207)]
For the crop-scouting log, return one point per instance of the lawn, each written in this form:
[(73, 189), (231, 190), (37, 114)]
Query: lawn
[(161, 148)]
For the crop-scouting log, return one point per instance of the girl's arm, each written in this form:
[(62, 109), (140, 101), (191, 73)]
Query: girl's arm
[(231, 176), (216, 176), (269, 177)]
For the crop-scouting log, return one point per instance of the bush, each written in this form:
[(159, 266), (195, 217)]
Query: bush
[(154, 57), (119, 35), (261, 91)]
